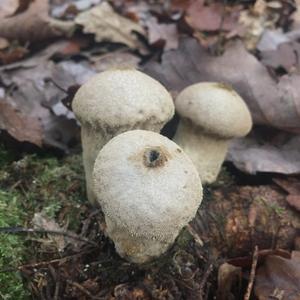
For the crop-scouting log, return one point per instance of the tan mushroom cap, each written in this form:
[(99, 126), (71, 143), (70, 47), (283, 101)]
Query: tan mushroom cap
[(121, 97), (216, 108)]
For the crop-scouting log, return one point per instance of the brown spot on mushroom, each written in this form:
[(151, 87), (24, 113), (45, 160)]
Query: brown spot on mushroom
[(155, 157)]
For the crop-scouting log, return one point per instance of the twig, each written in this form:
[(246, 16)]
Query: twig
[(83, 290), (41, 264), (15, 230), (223, 15), (204, 280), (252, 274), (56, 279), (195, 235)]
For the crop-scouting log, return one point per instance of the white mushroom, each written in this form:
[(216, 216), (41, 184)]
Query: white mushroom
[(211, 114), (116, 101), (148, 189)]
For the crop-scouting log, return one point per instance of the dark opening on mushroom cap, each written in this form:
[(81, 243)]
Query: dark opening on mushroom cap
[(216, 108), (122, 97)]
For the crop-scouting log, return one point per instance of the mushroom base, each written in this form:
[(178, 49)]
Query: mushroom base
[(93, 139), (207, 152), (136, 249)]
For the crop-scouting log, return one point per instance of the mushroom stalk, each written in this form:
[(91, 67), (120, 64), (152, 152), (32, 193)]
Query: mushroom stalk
[(206, 151)]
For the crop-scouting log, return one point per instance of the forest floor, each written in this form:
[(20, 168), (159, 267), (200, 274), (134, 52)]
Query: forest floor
[(244, 242)]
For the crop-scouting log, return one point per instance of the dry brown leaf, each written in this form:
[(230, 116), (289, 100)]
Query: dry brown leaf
[(296, 15), (270, 104), (34, 24), (36, 96), (165, 34), (109, 26), (229, 276), (8, 7), (292, 186), (213, 17), (12, 54), (286, 56), (125, 291), (4, 43), (268, 151), (40, 221), (21, 127), (114, 59), (278, 278)]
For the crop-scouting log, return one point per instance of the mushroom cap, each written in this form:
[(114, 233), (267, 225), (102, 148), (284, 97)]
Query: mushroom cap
[(216, 108), (146, 184), (122, 97)]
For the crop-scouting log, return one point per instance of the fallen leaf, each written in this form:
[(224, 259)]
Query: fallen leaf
[(4, 43), (8, 7), (286, 55), (246, 261), (271, 39), (38, 58), (37, 93), (34, 24), (296, 15), (64, 9), (211, 17), (278, 278), (21, 127), (229, 277), (125, 291), (165, 34), (294, 201), (254, 21), (40, 221), (114, 59), (12, 54), (276, 105), (109, 26), (292, 186), (266, 151)]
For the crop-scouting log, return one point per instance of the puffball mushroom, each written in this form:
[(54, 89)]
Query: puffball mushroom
[(211, 115), (148, 189), (116, 101)]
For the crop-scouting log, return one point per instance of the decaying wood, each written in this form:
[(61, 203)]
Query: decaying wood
[(232, 220)]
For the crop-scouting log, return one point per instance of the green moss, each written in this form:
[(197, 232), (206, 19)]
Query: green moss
[(29, 185), (11, 248)]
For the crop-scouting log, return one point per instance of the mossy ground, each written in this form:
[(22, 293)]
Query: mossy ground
[(28, 185), (33, 266), (82, 263)]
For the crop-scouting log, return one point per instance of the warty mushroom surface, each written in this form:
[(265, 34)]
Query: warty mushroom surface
[(116, 101), (148, 189), (211, 115)]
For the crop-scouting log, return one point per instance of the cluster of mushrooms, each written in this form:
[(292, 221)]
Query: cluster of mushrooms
[(148, 186)]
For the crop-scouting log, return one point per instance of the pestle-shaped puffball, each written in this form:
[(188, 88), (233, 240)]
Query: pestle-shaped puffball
[(211, 115), (115, 101), (148, 189)]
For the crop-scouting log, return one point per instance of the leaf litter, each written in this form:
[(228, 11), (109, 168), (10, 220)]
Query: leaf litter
[(32, 90)]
